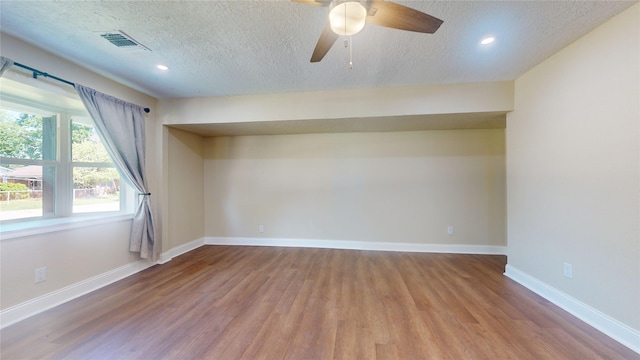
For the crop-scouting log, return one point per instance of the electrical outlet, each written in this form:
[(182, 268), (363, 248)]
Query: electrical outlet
[(450, 230), (568, 271), (41, 274), (261, 228)]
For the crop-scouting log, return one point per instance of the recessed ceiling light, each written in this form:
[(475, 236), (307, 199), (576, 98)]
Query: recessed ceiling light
[(488, 40), (162, 67)]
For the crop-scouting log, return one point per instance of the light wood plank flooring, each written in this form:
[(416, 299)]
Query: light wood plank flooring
[(224, 302)]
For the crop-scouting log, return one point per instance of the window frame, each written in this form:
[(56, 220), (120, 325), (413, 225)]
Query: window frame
[(63, 215)]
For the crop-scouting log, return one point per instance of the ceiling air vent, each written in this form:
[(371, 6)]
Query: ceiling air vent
[(122, 40)]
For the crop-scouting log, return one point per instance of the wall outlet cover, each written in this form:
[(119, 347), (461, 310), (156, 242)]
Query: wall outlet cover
[(568, 271), (41, 275)]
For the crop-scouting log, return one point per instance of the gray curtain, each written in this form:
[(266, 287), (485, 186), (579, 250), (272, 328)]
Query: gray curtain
[(121, 128), (5, 64)]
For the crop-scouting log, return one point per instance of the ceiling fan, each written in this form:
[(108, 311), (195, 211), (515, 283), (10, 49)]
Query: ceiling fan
[(348, 17)]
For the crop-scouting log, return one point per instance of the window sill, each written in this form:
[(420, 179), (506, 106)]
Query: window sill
[(44, 226)]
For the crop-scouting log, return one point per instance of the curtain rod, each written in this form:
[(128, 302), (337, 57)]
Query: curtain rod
[(37, 73)]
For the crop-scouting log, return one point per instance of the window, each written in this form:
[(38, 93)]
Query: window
[(96, 182), (52, 162), (28, 150)]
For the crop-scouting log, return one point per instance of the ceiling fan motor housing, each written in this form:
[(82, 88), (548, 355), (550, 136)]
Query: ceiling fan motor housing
[(347, 17)]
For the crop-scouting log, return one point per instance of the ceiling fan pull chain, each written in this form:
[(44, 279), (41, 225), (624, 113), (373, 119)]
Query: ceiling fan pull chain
[(350, 53)]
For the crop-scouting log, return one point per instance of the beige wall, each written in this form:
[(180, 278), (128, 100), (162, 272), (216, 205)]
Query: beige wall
[(341, 104), (29, 55), (573, 170), (185, 182), (72, 256), (403, 187)]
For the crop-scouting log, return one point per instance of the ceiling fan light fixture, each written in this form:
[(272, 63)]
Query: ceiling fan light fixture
[(347, 18)]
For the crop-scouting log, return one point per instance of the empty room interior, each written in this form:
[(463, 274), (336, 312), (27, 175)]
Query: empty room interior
[(265, 180)]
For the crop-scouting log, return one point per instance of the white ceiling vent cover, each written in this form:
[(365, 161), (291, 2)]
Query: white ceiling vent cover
[(122, 40)]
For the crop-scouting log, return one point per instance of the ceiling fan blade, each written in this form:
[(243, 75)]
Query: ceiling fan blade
[(396, 16), (313, 2), (327, 38)]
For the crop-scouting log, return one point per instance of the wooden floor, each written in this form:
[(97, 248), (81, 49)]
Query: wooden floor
[(224, 302)]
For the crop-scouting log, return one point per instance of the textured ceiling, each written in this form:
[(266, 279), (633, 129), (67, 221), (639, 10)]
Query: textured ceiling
[(218, 48)]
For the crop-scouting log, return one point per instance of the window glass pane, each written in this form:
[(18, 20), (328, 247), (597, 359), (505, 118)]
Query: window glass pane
[(85, 142), (95, 189), (26, 191), (27, 136)]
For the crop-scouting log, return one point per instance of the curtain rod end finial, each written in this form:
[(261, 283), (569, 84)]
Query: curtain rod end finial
[(147, 110)]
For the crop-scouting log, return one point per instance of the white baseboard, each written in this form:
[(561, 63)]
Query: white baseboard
[(618, 331), (180, 249), (37, 305), (360, 245), (602, 322), (45, 302)]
